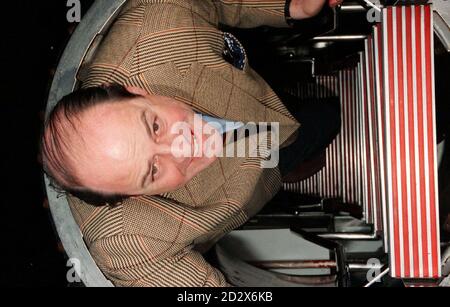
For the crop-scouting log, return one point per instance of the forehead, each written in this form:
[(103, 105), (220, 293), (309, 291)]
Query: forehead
[(113, 110), (110, 133), (111, 125)]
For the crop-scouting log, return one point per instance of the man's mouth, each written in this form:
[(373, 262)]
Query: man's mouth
[(195, 145)]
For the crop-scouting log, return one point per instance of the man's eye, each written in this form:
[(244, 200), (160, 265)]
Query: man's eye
[(154, 171), (155, 127)]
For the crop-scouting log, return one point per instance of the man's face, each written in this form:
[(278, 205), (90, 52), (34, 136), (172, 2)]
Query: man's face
[(128, 147)]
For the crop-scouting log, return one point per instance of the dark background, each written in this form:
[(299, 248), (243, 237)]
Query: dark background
[(33, 36)]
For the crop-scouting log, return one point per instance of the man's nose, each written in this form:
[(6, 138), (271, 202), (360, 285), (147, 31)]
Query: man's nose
[(173, 150)]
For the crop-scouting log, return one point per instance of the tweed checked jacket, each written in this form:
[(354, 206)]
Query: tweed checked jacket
[(175, 48)]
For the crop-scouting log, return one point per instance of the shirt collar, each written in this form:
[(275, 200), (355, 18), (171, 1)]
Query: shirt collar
[(222, 125)]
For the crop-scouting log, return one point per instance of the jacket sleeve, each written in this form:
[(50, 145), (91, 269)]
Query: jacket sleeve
[(185, 270), (251, 13), (189, 270), (128, 261)]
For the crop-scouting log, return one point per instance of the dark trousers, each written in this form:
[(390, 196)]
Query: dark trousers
[(320, 121)]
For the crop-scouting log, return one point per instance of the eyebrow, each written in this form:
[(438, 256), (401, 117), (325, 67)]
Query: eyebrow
[(150, 165)]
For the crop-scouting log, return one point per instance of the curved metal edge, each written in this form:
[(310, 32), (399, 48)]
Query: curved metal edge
[(92, 24), (445, 283), (63, 83), (72, 240), (442, 31), (446, 263), (442, 21), (446, 269)]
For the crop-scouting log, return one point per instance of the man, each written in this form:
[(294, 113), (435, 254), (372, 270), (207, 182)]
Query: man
[(108, 143)]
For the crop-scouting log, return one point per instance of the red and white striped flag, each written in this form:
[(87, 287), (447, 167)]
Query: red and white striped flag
[(411, 142)]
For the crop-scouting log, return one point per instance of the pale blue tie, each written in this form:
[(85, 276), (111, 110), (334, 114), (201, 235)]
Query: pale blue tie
[(222, 125)]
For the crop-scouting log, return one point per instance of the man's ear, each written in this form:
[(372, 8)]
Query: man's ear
[(137, 90)]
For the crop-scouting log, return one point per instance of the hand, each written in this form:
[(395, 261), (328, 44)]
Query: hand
[(334, 3), (301, 9)]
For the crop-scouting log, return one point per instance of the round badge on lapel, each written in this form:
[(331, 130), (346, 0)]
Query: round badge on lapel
[(234, 52)]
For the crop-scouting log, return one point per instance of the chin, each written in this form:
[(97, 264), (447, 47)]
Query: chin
[(198, 165)]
